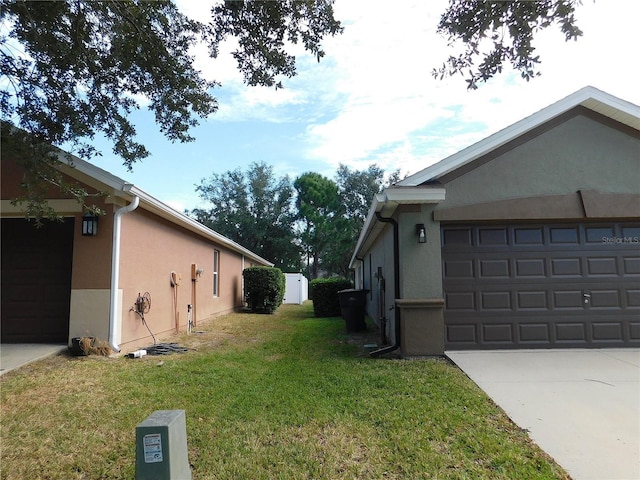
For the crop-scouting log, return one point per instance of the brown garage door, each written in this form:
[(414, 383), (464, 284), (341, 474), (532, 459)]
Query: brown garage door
[(541, 286), (36, 281)]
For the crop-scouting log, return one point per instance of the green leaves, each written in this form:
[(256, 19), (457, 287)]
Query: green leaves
[(253, 208), (262, 29), (495, 33), (85, 63), (75, 69)]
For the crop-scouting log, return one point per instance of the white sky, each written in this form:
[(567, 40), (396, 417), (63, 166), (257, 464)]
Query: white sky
[(372, 99)]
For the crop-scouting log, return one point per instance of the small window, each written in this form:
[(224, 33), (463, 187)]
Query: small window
[(216, 273)]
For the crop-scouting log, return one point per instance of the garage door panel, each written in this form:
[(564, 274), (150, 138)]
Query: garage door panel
[(531, 300), (599, 234), (571, 333), (602, 266), (463, 334), (559, 236), (534, 333), (568, 300), (528, 236), (633, 299), (492, 301), (566, 267), (631, 265), (460, 301), (36, 280), (459, 269), (496, 268), (492, 237), (605, 299), (540, 285), (498, 333), (610, 331), (634, 331), (530, 268)]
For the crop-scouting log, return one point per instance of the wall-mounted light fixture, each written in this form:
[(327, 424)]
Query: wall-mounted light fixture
[(421, 232), (89, 225)]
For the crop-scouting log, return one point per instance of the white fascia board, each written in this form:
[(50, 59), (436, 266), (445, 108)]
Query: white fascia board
[(72, 163), (414, 195), (126, 190), (589, 97), (388, 201)]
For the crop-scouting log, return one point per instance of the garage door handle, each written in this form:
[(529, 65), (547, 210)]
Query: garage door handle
[(587, 297)]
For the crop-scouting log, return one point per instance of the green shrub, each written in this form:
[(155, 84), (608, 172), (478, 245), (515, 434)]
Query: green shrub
[(264, 288), (324, 292)]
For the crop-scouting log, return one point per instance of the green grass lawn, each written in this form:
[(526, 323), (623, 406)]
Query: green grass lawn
[(284, 396)]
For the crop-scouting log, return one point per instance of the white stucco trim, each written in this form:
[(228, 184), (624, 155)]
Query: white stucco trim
[(589, 97)]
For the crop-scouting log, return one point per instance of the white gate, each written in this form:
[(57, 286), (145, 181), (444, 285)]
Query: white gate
[(297, 288)]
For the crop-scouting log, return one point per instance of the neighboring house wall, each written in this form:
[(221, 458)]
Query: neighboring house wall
[(151, 249), (381, 299), (578, 167), (155, 241), (585, 152), (91, 277), (581, 152)]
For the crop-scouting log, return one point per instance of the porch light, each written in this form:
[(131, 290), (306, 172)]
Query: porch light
[(89, 225), (421, 232)]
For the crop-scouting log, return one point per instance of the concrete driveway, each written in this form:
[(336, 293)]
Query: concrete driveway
[(582, 407), (16, 355)]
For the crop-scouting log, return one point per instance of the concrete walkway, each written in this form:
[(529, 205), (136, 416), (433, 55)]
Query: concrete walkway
[(15, 355), (582, 407)]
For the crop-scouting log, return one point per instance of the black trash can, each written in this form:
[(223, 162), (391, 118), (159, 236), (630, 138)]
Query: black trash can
[(352, 303)]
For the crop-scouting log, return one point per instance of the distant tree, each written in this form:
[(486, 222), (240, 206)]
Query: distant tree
[(320, 216), (255, 209), (495, 33), (357, 189), (74, 69)]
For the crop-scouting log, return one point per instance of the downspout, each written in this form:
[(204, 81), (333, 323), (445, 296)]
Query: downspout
[(115, 332), (396, 286), (361, 260)]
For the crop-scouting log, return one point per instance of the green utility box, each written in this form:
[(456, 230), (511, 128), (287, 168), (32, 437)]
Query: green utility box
[(161, 447)]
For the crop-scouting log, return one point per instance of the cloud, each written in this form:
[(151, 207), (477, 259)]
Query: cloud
[(388, 106)]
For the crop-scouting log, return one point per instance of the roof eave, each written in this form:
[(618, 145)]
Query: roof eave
[(601, 102), (124, 190), (386, 203)]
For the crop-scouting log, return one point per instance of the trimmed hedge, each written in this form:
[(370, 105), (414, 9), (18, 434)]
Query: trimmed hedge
[(264, 288), (324, 292)]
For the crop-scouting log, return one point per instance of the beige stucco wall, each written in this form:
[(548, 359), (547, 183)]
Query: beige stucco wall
[(151, 249)]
